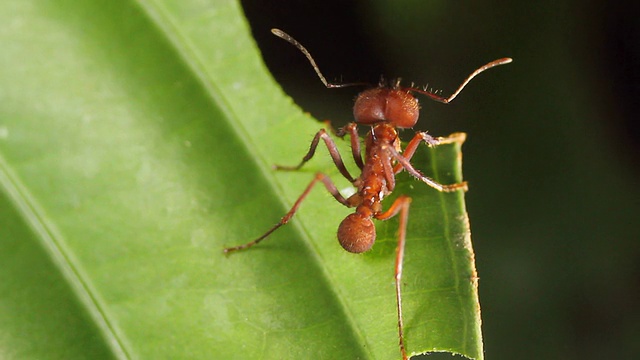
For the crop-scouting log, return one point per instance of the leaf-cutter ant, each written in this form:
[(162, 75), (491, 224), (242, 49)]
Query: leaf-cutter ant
[(384, 108)]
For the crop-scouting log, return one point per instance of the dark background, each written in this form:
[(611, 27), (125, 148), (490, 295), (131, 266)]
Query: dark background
[(551, 157)]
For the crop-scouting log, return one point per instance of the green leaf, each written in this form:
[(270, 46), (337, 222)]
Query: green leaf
[(136, 141)]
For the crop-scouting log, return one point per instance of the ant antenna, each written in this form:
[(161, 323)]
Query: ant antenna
[(482, 68), (284, 36)]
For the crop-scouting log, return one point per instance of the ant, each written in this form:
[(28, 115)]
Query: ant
[(384, 108)]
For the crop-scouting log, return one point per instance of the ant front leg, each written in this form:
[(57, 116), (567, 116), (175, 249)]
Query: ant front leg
[(333, 151), (352, 130), (404, 162), (412, 146), (328, 184), (401, 205)]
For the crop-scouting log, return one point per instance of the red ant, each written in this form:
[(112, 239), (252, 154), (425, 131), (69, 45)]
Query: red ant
[(384, 108)]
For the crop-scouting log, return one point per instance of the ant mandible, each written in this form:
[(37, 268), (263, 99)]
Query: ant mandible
[(384, 108)]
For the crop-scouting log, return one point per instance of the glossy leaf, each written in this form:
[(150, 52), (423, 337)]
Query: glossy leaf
[(136, 141)]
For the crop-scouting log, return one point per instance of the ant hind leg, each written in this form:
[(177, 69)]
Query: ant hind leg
[(401, 206)]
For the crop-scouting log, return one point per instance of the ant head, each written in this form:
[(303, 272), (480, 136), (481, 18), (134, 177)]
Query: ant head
[(357, 233), (395, 106)]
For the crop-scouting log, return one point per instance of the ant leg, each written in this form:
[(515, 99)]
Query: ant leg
[(415, 173), (352, 130), (401, 205), (333, 151), (412, 146), (328, 184)]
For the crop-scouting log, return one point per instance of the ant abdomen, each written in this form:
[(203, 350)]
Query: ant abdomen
[(396, 106), (356, 233)]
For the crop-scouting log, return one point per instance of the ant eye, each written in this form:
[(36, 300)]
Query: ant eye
[(396, 107)]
